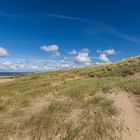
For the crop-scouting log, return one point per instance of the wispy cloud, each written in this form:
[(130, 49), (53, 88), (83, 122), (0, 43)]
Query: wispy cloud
[(129, 38), (10, 15), (64, 17), (50, 15), (97, 26), (101, 28)]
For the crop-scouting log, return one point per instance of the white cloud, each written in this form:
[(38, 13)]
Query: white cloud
[(52, 49), (85, 50), (6, 62), (83, 57), (3, 52), (34, 65), (103, 58), (107, 52), (73, 52), (21, 65)]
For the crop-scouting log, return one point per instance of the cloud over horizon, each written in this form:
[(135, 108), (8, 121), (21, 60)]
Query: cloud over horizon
[(83, 57), (75, 59), (103, 58)]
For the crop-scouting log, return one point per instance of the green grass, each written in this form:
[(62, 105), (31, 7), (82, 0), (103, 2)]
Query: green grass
[(66, 105)]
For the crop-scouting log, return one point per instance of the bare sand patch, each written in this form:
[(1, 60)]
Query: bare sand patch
[(129, 107), (40, 103), (4, 80)]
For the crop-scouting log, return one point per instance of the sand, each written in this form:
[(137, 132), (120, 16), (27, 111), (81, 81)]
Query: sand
[(129, 105), (4, 80)]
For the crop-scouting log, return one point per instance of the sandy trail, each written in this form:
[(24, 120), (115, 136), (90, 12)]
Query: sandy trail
[(129, 105), (4, 80)]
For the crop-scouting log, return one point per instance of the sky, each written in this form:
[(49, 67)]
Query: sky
[(48, 35)]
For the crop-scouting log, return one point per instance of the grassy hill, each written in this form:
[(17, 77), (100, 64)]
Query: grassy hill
[(67, 105)]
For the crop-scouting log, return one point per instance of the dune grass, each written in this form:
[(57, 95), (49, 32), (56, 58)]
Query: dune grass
[(131, 84), (41, 107), (66, 105)]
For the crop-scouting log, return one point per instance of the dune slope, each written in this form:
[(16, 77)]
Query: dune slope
[(100, 103)]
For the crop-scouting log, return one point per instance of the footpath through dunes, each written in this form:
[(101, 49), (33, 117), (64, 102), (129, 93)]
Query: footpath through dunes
[(129, 105)]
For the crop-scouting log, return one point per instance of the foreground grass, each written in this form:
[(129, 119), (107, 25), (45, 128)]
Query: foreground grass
[(66, 105), (41, 107)]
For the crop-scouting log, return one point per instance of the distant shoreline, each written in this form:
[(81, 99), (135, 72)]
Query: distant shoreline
[(9, 74)]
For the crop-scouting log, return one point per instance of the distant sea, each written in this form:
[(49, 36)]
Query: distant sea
[(13, 73)]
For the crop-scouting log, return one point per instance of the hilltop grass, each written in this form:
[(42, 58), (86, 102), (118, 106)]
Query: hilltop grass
[(66, 105), (121, 69)]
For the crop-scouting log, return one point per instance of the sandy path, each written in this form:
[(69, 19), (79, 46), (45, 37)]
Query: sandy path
[(6, 80), (129, 105)]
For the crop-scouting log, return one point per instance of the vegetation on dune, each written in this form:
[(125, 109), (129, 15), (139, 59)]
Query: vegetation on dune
[(131, 84), (51, 108), (66, 105), (122, 69)]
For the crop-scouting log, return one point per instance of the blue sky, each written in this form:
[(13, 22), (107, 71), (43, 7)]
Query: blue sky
[(45, 35)]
